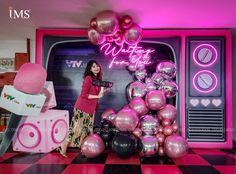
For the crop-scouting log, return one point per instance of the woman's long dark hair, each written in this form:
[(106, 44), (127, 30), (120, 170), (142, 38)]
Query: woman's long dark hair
[(88, 71)]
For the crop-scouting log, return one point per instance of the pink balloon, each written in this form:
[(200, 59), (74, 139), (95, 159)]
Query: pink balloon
[(126, 21), (30, 78), (137, 132), (133, 35), (167, 112), (167, 131), (92, 146), (160, 138), (126, 120), (132, 67), (160, 129), (93, 23), (107, 113), (107, 22), (155, 99), (175, 146), (161, 151), (175, 127), (95, 37), (165, 122), (139, 106)]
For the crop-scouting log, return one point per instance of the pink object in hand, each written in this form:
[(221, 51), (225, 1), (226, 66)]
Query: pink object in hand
[(30, 78)]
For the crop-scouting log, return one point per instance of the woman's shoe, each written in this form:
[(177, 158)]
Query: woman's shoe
[(59, 149)]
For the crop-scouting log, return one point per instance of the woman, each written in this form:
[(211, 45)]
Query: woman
[(84, 109)]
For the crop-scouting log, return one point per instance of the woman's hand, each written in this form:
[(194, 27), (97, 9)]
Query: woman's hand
[(101, 93)]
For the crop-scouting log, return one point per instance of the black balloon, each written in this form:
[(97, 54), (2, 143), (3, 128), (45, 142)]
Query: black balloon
[(124, 144), (106, 135), (107, 125)]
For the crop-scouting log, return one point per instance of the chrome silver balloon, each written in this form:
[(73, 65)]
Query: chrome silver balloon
[(167, 68), (135, 89), (140, 74), (148, 80), (158, 79), (170, 88), (149, 146), (149, 125)]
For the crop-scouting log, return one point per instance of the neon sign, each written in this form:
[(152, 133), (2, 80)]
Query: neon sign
[(136, 54)]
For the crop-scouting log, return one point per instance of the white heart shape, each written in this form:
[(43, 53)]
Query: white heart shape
[(205, 102), (217, 102), (194, 102)]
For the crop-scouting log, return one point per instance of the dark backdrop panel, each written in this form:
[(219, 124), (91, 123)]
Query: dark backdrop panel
[(65, 59)]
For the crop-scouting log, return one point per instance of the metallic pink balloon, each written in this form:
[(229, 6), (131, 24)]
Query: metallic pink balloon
[(167, 131), (160, 129), (137, 132), (175, 146), (126, 21), (107, 113), (139, 106), (165, 122), (160, 138), (167, 112), (175, 127), (107, 22), (161, 151), (133, 35), (150, 86), (126, 120), (92, 146), (132, 67), (155, 99), (140, 66), (167, 68), (93, 23), (95, 37)]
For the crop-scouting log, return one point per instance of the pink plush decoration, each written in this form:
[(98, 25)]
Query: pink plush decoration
[(30, 78)]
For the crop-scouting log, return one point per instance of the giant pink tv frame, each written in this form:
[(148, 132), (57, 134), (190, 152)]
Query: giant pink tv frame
[(40, 33)]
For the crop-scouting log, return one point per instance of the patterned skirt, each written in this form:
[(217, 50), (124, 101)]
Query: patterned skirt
[(80, 127)]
